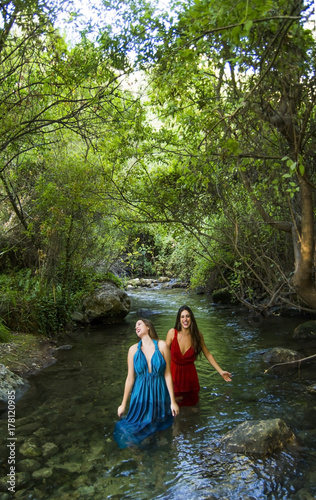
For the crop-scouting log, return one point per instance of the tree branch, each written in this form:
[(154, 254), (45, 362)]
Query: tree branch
[(297, 361)]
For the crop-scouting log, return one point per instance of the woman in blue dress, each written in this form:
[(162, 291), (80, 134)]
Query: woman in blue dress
[(149, 382)]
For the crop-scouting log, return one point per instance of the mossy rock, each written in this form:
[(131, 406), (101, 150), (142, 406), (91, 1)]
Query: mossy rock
[(306, 330)]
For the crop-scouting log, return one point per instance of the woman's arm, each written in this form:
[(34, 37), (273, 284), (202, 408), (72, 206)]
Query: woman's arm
[(170, 337), (130, 379), (210, 358), (165, 351)]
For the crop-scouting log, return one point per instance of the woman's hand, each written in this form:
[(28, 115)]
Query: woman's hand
[(121, 410), (174, 409), (226, 376)]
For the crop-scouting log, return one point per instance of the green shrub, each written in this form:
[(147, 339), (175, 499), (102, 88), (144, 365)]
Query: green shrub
[(32, 304), (5, 335)]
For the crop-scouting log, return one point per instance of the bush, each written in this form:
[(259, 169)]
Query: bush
[(4, 332), (31, 304)]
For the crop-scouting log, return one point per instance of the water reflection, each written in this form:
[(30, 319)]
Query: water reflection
[(66, 419)]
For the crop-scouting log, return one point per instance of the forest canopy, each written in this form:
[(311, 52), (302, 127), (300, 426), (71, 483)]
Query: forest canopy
[(159, 139)]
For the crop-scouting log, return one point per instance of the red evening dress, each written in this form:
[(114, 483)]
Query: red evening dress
[(184, 375)]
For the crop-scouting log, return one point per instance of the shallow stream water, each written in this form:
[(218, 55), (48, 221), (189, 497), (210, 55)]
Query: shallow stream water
[(68, 415)]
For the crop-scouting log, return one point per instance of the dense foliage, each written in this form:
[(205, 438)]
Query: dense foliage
[(178, 142), (234, 88)]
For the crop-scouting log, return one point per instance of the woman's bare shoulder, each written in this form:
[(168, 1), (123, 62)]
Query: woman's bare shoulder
[(171, 332), (170, 336), (133, 348), (162, 344)]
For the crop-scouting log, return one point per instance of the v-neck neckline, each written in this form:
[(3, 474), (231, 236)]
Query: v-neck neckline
[(182, 354), (150, 360)]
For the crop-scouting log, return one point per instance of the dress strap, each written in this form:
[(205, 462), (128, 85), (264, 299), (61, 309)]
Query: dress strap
[(175, 333), (139, 345), (156, 344)]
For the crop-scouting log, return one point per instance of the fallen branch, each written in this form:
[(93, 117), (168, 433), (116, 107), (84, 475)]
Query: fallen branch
[(297, 361)]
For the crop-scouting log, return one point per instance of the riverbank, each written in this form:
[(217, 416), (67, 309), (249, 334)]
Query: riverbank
[(26, 354)]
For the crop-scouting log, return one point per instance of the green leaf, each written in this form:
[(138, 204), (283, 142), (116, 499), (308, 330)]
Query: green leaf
[(301, 169)]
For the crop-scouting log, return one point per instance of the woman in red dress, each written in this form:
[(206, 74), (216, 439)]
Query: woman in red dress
[(186, 343)]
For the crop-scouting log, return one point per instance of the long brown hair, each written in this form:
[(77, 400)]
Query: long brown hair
[(194, 331), (152, 330)]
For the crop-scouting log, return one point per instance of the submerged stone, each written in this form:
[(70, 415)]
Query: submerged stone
[(145, 313), (30, 449), (20, 479), (41, 432), (27, 428), (86, 491), (80, 481), (71, 467), (29, 465), (43, 473), (258, 437), (49, 449)]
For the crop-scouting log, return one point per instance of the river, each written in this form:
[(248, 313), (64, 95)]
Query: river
[(68, 415)]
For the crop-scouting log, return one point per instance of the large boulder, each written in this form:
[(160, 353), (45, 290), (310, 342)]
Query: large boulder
[(280, 355), (258, 437), (108, 304), (282, 361)]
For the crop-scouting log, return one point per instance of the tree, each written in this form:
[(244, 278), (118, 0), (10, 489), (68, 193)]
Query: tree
[(63, 116), (237, 83), (45, 86), (51, 94)]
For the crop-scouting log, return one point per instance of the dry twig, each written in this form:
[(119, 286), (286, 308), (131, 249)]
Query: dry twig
[(296, 361)]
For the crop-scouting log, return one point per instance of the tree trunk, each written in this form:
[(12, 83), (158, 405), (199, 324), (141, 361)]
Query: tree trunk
[(303, 240), (303, 279)]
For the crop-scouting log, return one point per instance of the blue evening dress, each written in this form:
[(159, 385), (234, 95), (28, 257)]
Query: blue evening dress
[(149, 409)]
